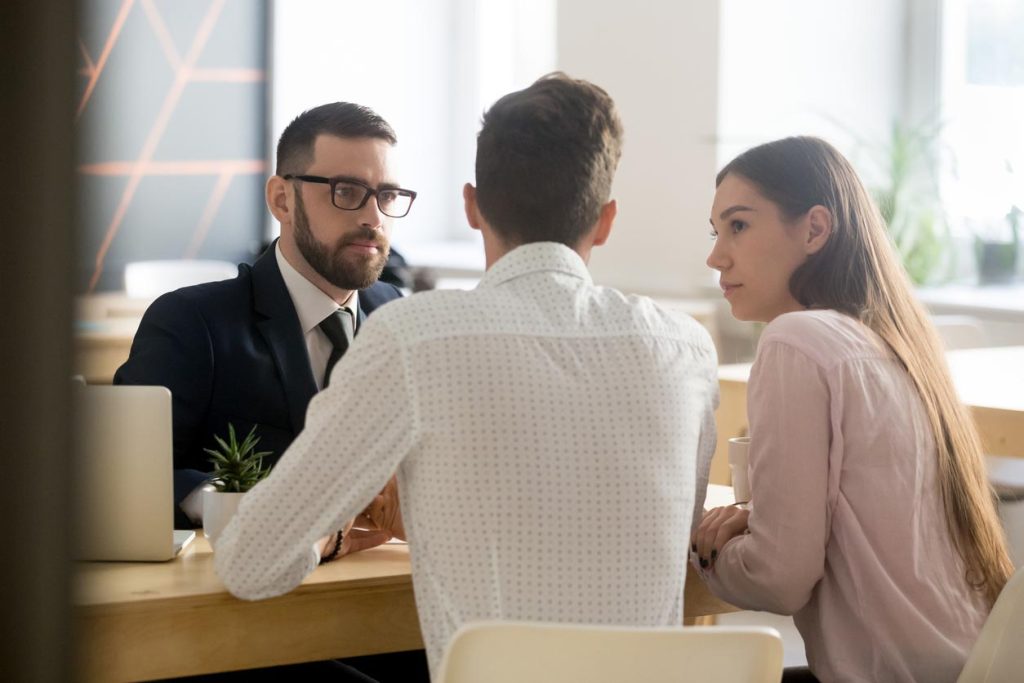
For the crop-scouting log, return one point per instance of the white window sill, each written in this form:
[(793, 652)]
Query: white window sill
[(994, 302), (448, 258)]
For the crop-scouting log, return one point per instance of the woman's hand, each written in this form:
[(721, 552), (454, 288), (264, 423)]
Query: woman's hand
[(716, 528)]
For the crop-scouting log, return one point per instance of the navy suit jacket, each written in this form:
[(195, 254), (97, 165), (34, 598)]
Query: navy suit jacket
[(230, 351)]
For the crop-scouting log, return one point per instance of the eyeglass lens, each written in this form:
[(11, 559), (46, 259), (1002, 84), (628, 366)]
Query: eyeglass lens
[(392, 202)]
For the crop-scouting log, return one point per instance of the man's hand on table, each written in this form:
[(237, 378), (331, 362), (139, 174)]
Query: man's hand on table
[(385, 512), (358, 534), (377, 524)]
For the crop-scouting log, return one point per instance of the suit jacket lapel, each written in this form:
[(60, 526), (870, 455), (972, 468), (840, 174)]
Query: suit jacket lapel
[(281, 330), (360, 316)]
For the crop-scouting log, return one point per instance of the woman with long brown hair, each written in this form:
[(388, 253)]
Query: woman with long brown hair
[(871, 520)]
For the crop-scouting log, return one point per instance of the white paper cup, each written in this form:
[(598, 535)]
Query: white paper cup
[(738, 465)]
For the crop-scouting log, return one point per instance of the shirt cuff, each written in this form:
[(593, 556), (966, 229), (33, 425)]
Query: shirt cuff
[(192, 505)]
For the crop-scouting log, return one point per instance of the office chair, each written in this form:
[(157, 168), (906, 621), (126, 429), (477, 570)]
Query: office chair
[(998, 655), (150, 279), (512, 652)]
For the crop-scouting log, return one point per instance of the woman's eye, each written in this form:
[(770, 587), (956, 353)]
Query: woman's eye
[(738, 226), (713, 234)]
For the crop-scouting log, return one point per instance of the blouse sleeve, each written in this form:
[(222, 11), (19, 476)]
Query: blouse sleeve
[(776, 565)]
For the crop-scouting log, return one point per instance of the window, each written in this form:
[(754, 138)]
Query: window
[(982, 100)]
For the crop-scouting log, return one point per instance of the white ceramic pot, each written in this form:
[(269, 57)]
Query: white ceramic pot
[(218, 509)]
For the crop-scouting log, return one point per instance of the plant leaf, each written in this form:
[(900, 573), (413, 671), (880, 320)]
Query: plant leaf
[(237, 465)]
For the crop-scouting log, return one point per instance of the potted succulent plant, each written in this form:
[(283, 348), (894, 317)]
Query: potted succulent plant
[(237, 467)]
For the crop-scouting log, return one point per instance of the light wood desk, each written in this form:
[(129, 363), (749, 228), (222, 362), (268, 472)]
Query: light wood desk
[(990, 381), (105, 325), (140, 621), (101, 347)]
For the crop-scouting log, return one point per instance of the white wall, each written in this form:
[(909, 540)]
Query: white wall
[(695, 83), (698, 82), (658, 60), (326, 51), (834, 69), (430, 67)]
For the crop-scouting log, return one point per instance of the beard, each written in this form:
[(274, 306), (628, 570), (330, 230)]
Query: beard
[(342, 269)]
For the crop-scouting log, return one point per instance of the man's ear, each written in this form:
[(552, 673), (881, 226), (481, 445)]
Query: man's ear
[(604, 223), (819, 221), (277, 199), (472, 210)]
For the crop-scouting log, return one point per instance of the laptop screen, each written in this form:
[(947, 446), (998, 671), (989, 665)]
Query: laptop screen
[(123, 473)]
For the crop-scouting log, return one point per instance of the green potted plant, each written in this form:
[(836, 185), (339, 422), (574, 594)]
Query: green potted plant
[(237, 467), (908, 198)]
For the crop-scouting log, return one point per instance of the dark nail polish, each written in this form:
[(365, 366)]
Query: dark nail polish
[(693, 547), (714, 554), (703, 563)]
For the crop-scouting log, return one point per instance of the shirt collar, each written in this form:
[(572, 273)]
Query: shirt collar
[(311, 303), (533, 258)]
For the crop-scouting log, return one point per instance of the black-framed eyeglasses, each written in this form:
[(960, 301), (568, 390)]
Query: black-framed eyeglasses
[(351, 195)]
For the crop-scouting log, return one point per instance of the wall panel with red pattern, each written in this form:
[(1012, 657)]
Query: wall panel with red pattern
[(171, 119)]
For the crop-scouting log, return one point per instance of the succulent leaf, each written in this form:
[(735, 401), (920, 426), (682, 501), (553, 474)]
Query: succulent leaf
[(237, 465)]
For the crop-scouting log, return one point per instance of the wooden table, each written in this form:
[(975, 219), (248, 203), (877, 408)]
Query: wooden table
[(139, 621), (101, 347), (989, 380), (105, 325)]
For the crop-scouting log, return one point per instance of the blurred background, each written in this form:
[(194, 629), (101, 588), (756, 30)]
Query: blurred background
[(139, 134), (179, 105)]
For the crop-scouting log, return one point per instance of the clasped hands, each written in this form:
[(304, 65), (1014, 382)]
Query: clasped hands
[(377, 524), (717, 527)]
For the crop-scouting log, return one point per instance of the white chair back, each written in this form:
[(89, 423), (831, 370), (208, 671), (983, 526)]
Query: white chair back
[(999, 653), (150, 279), (513, 652)]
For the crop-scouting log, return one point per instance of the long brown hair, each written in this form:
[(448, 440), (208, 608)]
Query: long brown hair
[(857, 273)]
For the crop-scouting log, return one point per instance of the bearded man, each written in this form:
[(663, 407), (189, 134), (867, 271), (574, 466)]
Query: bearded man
[(253, 351)]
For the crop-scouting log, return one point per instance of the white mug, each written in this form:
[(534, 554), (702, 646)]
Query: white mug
[(738, 447)]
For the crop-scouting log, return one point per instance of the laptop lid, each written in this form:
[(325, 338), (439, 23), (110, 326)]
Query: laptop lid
[(124, 472)]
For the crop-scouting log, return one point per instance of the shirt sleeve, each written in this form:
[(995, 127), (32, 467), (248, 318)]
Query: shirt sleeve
[(708, 439), (357, 432), (776, 566)]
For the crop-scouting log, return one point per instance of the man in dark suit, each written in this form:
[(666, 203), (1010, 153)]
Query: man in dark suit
[(253, 351)]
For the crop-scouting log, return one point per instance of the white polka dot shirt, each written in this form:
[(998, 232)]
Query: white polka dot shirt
[(552, 441)]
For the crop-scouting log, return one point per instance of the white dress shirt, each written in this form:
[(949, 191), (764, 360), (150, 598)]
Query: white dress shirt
[(313, 306), (552, 441)]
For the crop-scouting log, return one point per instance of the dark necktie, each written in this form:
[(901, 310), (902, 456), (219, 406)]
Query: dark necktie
[(339, 328)]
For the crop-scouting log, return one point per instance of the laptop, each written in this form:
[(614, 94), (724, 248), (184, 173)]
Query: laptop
[(123, 470)]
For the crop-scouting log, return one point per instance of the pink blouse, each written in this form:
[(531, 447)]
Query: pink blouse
[(847, 531)]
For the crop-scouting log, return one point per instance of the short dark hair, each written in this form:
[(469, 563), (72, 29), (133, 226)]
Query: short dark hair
[(545, 160), (343, 119)]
